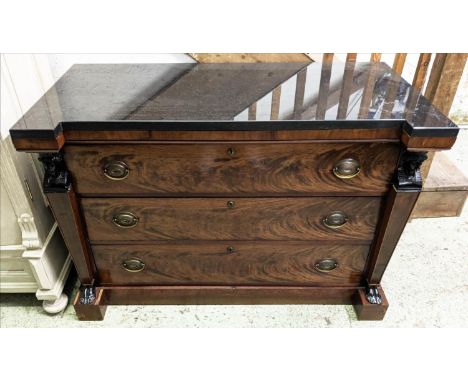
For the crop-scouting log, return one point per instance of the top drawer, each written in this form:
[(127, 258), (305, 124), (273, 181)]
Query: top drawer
[(232, 168)]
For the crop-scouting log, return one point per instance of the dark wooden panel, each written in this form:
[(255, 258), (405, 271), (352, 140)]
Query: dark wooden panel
[(225, 263), (66, 211), (252, 168), (232, 295), (397, 210), (250, 219)]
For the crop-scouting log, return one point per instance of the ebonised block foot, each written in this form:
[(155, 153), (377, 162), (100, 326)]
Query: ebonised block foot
[(89, 308), (370, 304)]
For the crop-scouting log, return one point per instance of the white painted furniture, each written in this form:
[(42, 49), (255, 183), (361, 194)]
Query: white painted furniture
[(33, 257)]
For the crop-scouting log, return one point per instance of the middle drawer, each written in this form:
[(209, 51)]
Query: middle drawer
[(302, 218)]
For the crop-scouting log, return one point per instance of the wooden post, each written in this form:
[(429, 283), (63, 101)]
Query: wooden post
[(253, 112), (418, 82), (347, 85), (398, 64), (324, 86), (421, 70), (369, 88), (300, 90), (275, 103), (397, 209), (443, 81)]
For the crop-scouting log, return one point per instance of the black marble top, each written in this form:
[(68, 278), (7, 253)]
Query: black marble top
[(231, 96)]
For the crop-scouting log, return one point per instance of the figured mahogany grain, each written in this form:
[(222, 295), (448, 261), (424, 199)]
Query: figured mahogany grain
[(225, 263), (208, 168), (250, 218)]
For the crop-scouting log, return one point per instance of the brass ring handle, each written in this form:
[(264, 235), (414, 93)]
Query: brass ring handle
[(116, 170), (336, 219), (125, 220), (133, 265), (326, 265), (347, 168)]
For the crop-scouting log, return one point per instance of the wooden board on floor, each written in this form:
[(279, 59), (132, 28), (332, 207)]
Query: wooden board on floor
[(445, 190), (437, 204), (444, 175)]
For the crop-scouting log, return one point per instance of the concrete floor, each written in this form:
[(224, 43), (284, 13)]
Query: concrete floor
[(426, 284)]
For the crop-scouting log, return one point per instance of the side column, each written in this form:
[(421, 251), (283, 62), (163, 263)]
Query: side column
[(371, 304), (63, 201)]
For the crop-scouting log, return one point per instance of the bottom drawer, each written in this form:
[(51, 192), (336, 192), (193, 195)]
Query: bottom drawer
[(228, 263)]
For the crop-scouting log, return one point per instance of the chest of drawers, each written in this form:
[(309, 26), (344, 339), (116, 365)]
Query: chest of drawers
[(232, 183)]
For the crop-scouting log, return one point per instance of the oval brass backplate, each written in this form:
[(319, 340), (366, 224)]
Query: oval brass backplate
[(326, 265), (125, 220), (116, 170), (231, 151), (347, 168), (336, 219), (133, 265), (231, 203)]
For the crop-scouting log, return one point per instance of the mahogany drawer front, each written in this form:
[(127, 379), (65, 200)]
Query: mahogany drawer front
[(230, 168), (300, 218), (225, 263)]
